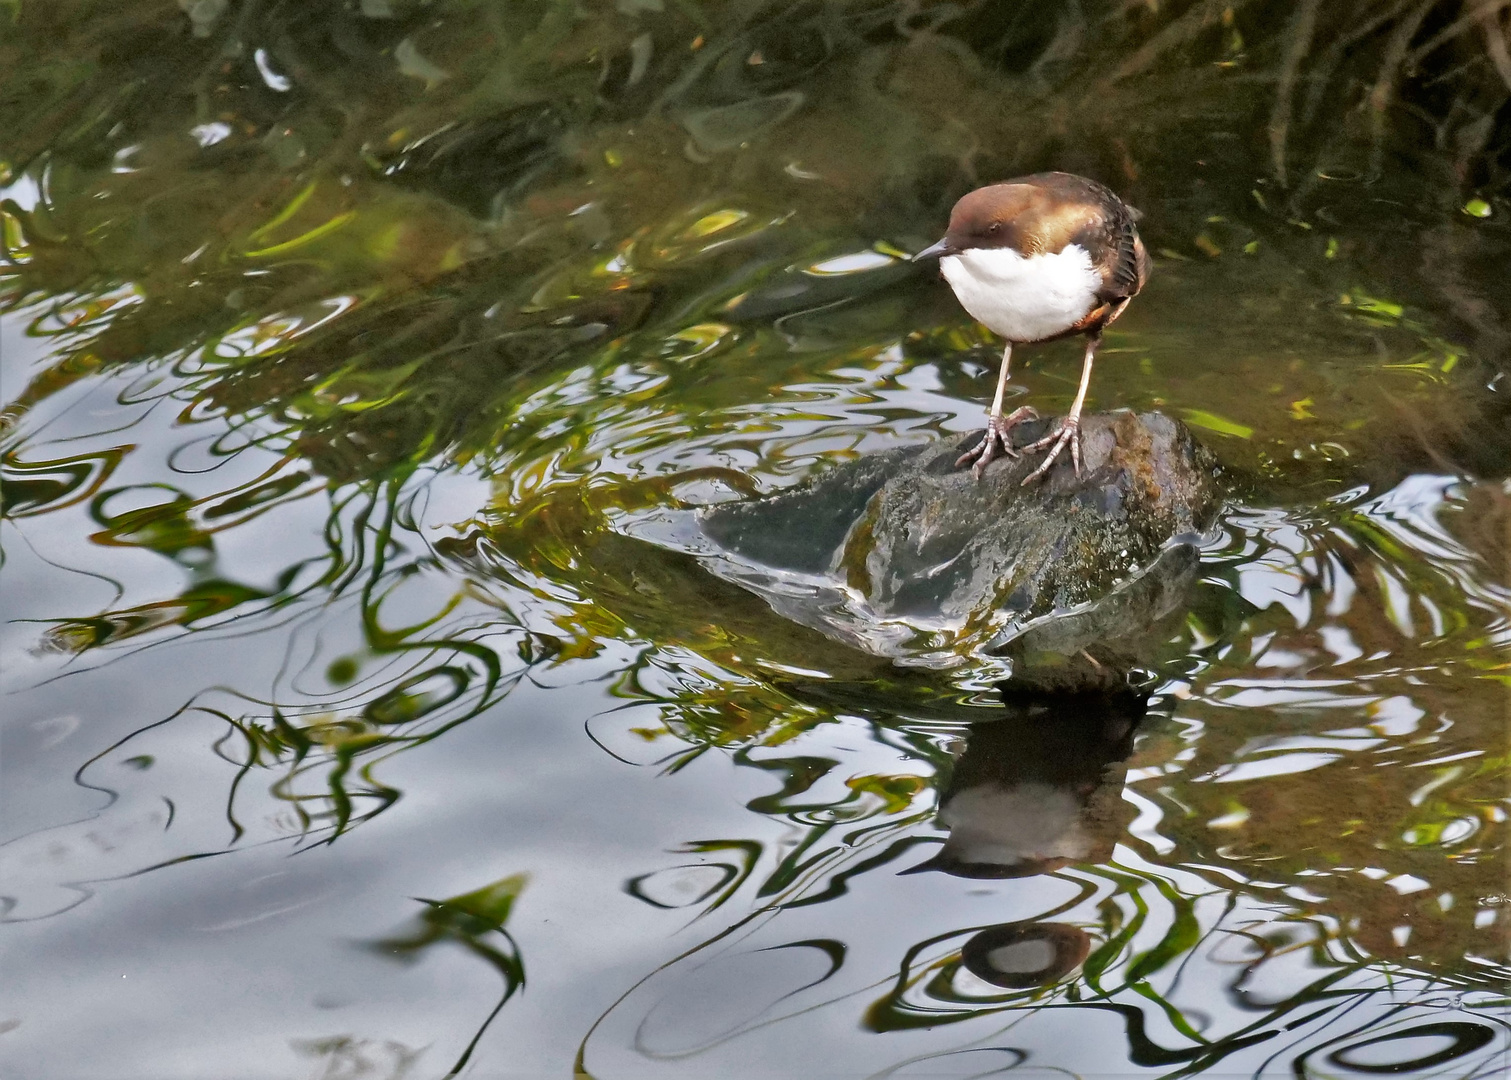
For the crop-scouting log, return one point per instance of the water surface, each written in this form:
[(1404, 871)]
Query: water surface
[(353, 727)]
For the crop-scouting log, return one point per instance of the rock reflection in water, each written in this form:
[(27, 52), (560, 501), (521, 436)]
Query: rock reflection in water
[(1017, 956)]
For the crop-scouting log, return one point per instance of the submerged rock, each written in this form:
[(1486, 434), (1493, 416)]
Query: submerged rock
[(904, 555)]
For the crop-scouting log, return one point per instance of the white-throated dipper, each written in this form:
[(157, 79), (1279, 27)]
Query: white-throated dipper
[(1035, 259)]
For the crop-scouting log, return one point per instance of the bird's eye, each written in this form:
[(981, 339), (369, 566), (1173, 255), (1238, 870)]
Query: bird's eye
[(994, 226)]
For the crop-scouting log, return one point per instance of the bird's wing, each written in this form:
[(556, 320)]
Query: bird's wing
[(1124, 263), (1059, 209), (1049, 221)]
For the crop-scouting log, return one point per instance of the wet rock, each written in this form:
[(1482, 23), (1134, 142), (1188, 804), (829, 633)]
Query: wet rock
[(906, 556)]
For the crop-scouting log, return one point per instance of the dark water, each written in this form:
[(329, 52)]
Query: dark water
[(353, 728)]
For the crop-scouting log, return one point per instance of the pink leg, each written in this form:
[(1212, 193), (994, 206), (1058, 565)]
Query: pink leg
[(1070, 428), (997, 426)]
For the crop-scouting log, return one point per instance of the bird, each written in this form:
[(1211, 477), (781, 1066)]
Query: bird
[(1033, 259)]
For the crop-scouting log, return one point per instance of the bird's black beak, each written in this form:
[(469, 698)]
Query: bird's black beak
[(935, 251)]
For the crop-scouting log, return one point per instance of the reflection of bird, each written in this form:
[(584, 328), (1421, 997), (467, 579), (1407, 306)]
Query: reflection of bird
[(1040, 787), (1034, 259)]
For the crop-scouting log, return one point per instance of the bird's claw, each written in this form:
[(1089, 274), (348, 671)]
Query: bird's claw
[(998, 429), (1067, 432)]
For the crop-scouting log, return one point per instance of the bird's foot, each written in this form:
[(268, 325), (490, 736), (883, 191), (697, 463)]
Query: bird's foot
[(1069, 431), (997, 436)]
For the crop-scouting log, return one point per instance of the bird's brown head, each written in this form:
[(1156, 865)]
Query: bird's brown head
[(984, 218), (1032, 215)]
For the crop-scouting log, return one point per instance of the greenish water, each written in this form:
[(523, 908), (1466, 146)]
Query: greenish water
[(351, 728)]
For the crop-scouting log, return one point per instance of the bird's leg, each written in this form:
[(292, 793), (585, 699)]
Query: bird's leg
[(997, 426), (1069, 430)]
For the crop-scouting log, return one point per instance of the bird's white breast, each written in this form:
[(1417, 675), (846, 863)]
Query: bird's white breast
[(1024, 298), (1006, 825)]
